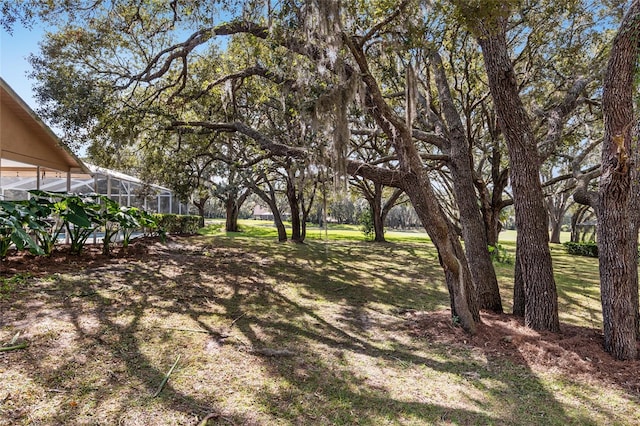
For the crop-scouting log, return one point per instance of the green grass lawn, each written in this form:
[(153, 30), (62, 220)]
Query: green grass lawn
[(576, 277), (281, 334)]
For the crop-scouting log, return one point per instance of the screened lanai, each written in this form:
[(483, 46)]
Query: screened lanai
[(130, 191), (18, 179)]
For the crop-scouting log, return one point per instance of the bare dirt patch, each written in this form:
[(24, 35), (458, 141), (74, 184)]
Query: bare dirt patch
[(61, 260)]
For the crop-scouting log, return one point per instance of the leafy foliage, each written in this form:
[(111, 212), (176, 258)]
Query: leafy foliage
[(500, 254), (14, 218), (125, 219), (37, 223), (366, 222)]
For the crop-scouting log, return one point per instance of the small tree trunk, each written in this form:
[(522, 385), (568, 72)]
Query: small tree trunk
[(491, 203), (556, 207), (270, 200), (277, 221), (303, 224), (556, 228), (201, 214), (232, 212), (378, 227), (490, 229), (376, 211), (575, 237), (296, 230), (492, 225)]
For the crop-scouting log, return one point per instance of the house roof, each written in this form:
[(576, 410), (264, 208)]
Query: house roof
[(97, 170), (26, 139)]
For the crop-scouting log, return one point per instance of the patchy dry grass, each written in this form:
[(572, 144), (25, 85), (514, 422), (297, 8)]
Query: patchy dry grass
[(272, 334)]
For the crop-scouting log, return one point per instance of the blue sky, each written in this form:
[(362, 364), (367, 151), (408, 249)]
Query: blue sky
[(14, 50)]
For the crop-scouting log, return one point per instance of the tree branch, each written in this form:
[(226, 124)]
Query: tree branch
[(239, 127), (381, 175), (557, 117), (257, 70), (373, 31)]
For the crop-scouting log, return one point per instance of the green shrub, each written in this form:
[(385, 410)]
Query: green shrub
[(178, 224), (115, 218), (35, 224), (589, 249), (16, 218)]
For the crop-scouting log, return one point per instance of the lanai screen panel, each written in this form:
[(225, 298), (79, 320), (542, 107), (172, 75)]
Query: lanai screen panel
[(128, 190)]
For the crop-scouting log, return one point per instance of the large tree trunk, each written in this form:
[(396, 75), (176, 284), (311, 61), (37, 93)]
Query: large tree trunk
[(464, 305), (473, 230), (541, 300), (617, 227), (518, 288)]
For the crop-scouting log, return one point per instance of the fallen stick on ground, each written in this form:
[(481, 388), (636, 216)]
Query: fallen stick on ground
[(166, 378), (90, 293), (236, 320), (271, 352), (192, 330), (214, 416), (13, 348)]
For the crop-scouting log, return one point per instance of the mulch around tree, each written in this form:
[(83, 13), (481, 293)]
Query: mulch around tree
[(575, 351), (62, 260)]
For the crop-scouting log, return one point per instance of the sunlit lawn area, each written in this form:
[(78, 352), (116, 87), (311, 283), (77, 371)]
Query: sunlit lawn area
[(279, 334)]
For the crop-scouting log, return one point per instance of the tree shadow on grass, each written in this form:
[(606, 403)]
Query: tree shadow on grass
[(352, 364), (108, 325), (351, 392)]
